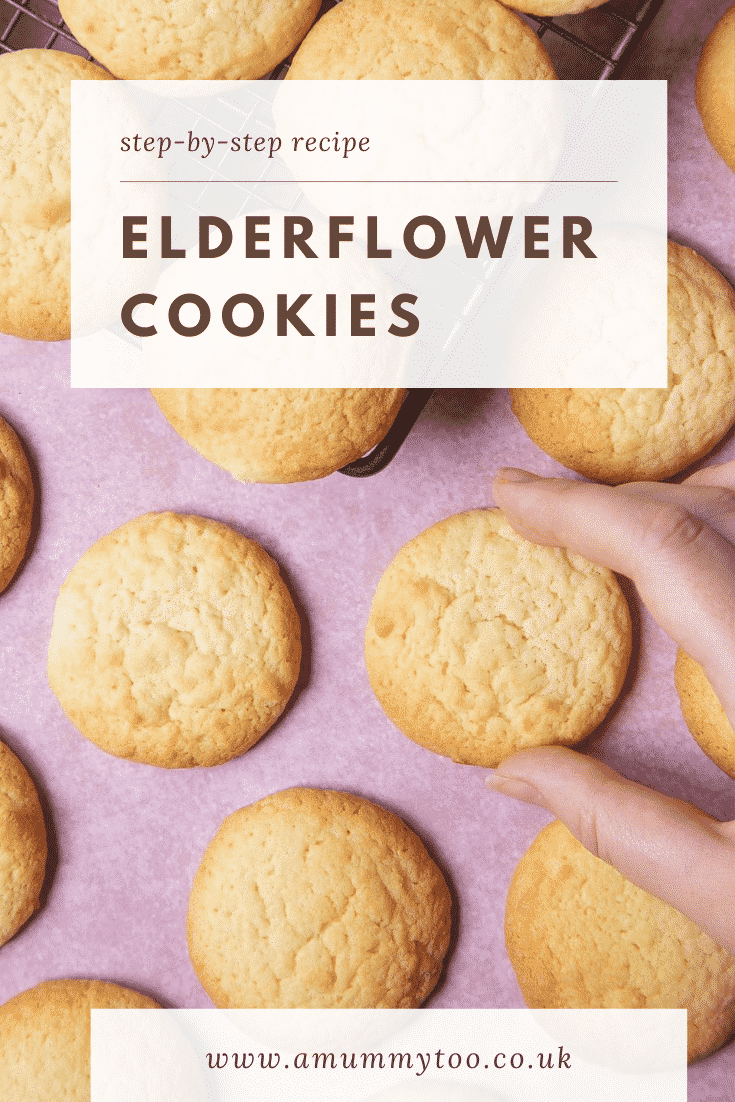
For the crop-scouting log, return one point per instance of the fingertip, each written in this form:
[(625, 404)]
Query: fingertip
[(515, 476), (517, 789), (563, 781), (511, 488), (533, 775), (536, 763)]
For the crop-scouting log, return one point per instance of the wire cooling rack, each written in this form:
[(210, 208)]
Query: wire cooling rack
[(594, 45)]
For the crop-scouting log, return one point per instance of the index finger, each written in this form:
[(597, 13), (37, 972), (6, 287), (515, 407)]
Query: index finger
[(668, 847), (683, 569)]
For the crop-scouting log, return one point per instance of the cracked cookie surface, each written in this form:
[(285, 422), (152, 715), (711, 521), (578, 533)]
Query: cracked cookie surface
[(22, 845), (317, 899), (189, 39), (421, 40), (579, 935), (46, 1036), (633, 434), (16, 503), (480, 643), (175, 642), (35, 190), (280, 434)]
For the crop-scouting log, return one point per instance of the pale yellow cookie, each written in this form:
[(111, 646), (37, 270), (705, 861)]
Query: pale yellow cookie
[(421, 40), (630, 435), (579, 935), (281, 435), (715, 87), (175, 642), (704, 715), (35, 190), (317, 899), (35, 267), (198, 40), (22, 845), (547, 8), (480, 643), (16, 503), (45, 1031)]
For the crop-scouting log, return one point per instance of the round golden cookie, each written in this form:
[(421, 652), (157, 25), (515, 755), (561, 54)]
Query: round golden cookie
[(320, 900), (35, 190), (175, 642), (22, 845), (639, 434), (579, 935), (421, 40), (46, 1031), (199, 40), (281, 435), (704, 715), (480, 643), (16, 503), (715, 87)]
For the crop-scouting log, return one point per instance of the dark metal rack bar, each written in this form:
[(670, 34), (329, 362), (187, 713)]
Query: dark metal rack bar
[(38, 24)]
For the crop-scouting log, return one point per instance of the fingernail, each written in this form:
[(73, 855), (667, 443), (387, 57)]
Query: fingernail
[(519, 790), (515, 475)]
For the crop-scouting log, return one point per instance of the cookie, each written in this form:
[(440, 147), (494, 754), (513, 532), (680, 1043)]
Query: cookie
[(421, 40), (201, 40), (22, 846), (579, 935), (286, 435), (704, 715), (317, 899), (16, 503), (548, 8), (715, 87), (638, 434), (480, 643), (35, 191), (175, 642), (46, 1037)]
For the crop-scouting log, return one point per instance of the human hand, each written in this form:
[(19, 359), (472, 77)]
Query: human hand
[(677, 544)]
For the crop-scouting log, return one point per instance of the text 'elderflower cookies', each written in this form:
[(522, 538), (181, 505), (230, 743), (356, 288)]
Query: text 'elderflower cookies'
[(16, 503), (480, 643), (421, 40), (281, 435), (320, 900), (46, 1031), (35, 190), (22, 845), (194, 40), (579, 935), (175, 642), (634, 434), (716, 87), (704, 715)]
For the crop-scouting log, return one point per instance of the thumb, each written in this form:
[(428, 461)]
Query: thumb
[(667, 847)]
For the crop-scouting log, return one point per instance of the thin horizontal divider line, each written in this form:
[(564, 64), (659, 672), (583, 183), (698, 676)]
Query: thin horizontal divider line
[(269, 182)]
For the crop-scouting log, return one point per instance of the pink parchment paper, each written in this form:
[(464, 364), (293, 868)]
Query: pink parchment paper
[(126, 838)]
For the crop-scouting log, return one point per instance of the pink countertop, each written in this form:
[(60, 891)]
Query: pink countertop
[(127, 838)]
